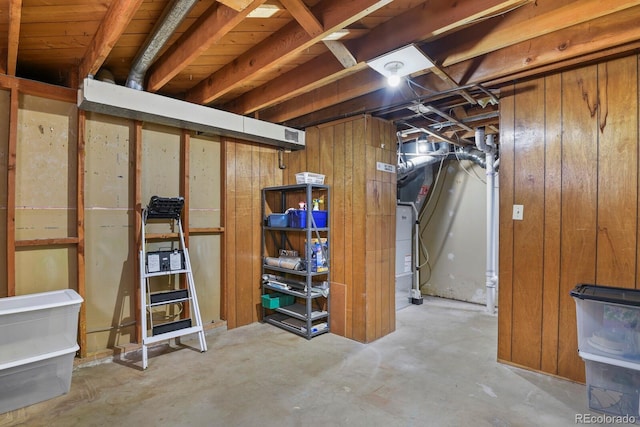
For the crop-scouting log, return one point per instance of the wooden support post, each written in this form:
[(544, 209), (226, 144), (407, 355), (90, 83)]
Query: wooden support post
[(185, 143), (11, 192), (137, 203)]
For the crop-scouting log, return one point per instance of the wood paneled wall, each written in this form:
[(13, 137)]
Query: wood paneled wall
[(569, 154), (362, 220), (249, 168)]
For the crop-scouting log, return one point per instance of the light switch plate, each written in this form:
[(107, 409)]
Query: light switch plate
[(518, 212)]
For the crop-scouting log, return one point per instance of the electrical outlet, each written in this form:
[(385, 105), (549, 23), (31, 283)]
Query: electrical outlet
[(518, 212)]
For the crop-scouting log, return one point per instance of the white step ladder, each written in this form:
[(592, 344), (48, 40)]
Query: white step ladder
[(173, 262)]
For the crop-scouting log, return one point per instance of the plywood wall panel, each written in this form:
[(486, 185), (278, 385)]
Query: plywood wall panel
[(110, 249), (579, 204), (244, 231), (349, 163), (45, 269), (111, 280), (338, 205), (588, 121), (248, 168), (362, 220), (160, 162), (552, 224), (229, 259), (357, 304), (46, 169), (205, 253), (205, 200), (506, 201), (617, 173), (527, 234)]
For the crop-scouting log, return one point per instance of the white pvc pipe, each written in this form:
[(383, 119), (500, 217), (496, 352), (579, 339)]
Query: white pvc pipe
[(416, 256), (491, 275)]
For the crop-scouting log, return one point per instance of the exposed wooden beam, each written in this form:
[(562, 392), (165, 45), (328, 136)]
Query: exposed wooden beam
[(287, 42), (605, 36), (113, 24), (421, 22), (600, 35), (237, 5), (311, 75), (304, 16), (527, 27), (212, 25), (15, 17), (427, 21)]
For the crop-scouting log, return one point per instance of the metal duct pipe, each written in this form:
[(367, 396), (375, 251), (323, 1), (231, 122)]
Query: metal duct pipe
[(467, 153), (165, 27), (416, 163)]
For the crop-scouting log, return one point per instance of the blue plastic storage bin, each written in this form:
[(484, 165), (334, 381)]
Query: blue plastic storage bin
[(298, 218)]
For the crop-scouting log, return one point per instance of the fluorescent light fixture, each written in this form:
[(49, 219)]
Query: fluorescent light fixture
[(411, 58), (264, 11)]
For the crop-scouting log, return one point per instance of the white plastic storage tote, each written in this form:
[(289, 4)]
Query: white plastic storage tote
[(38, 342)]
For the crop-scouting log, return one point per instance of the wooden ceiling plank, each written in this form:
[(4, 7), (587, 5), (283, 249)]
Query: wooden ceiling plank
[(113, 24), (290, 40), (417, 23), (304, 16), (15, 13), (214, 24), (532, 27)]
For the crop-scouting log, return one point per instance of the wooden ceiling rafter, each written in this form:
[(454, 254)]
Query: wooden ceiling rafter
[(288, 41), (214, 24), (517, 31), (113, 25), (571, 42), (15, 17), (418, 23)]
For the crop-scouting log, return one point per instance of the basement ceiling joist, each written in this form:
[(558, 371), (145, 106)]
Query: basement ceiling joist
[(290, 69)]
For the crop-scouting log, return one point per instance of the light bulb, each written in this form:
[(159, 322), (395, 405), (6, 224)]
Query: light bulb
[(393, 79)]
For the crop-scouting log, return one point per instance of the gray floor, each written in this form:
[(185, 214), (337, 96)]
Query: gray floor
[(437, 369)]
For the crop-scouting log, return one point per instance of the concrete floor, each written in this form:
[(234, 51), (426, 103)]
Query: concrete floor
[(437, 369)]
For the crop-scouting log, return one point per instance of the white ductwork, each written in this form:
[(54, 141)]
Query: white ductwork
[(165, 27), (120, 101)]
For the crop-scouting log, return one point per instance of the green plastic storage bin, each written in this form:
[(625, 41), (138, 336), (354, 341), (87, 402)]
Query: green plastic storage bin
[(276, 300)]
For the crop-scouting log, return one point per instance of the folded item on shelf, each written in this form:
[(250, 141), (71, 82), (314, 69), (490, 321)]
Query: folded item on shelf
[(291, 263)]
